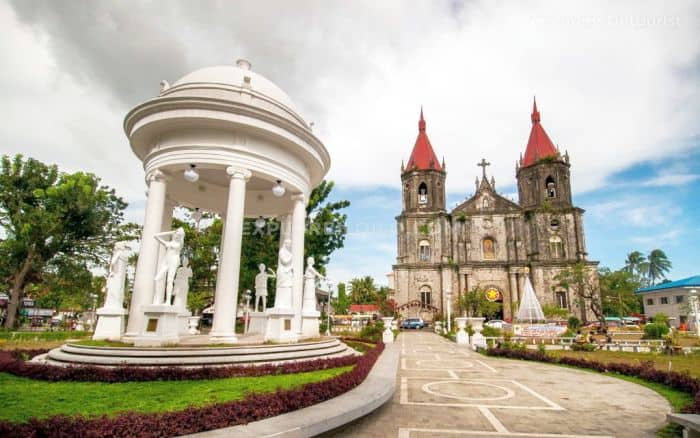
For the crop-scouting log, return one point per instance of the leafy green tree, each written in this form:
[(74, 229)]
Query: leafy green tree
[(617, 292), (635, 264), (552, 311), (658, 265), (580, 280), (475, 303), (46, 214), (364, 291), (342, 302)]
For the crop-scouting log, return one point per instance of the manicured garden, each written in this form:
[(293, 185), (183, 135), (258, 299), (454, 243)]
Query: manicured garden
[(23, 398), (682, 363)]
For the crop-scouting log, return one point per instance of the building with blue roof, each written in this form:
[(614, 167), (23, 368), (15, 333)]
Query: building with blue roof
[(671, 298)]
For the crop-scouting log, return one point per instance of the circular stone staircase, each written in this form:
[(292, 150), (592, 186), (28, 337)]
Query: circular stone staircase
[(75, 354)]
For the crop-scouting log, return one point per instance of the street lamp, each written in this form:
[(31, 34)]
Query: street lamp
[(328, 308), (449, 311), (246, 312)]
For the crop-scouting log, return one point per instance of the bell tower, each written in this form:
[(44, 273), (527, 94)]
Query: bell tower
[(423, 178), (543, 174)]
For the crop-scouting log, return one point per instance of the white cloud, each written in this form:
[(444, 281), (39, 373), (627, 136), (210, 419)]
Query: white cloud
[(664, 238), (636, 211), (671, 180)]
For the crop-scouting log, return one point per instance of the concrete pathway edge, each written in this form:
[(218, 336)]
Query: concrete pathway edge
[(377, 388)]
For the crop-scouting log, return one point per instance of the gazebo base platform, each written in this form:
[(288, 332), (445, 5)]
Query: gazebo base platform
[(191, 355)]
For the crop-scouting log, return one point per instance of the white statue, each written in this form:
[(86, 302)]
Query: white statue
[(116, 276), (171, 261), (285, 276), (310, 276), (182, 284), (261, 286)]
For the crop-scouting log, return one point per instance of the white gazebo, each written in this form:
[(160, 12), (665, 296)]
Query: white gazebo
[(227, 140)]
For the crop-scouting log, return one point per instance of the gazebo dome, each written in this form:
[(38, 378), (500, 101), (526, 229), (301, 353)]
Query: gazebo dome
[(236, 83)]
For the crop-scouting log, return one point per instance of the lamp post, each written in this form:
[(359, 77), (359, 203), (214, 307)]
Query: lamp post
[(328, 308), (693, 300), (449, 310)]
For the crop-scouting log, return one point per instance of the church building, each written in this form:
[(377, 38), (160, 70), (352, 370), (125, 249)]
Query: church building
[(488, 240)]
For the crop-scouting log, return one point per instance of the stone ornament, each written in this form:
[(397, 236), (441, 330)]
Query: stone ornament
[(182, 284), (261, 287), (171, 261), (285, 276), (117, 274)]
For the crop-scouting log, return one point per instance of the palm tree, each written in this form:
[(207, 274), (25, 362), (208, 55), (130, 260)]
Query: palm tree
[(635, 263), (658, 265)]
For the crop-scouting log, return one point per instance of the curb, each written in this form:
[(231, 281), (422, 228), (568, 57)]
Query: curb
[(377, 388)]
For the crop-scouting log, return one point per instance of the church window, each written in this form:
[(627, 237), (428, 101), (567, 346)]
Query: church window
[(424, 251), (560, 298), (556, 247), (488, 247), (425, 296), (485, 203), (423, 193), (554, 224), (551, 187)]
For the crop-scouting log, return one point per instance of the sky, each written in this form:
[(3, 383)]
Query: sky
[(617, 85)]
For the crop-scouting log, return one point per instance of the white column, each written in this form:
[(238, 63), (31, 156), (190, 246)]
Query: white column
[(167, 225), (144, 284), (298, 230), (285, 225), (226, 295)]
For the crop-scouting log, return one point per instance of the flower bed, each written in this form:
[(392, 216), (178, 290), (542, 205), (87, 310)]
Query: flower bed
[(12, 362), (192, 420), (680, 381)]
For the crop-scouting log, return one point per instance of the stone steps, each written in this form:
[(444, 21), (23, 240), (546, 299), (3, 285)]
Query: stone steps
[(72, 354)]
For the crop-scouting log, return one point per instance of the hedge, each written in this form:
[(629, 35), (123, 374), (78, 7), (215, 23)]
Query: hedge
[(192, 420), (679, 381)]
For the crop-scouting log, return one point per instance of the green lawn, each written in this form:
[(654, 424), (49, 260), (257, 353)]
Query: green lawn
[(23, 398), (680, 363)]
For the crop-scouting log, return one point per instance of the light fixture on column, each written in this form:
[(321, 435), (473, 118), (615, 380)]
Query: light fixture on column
[(260, 222), (278, 190), (191, 174)]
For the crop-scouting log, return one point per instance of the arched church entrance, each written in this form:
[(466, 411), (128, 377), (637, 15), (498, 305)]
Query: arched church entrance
[(417, 309), (495, 295)]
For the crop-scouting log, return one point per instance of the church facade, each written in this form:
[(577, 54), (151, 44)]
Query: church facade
[(488, 240)]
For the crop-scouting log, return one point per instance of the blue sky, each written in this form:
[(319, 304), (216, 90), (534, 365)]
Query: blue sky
[(654, 204)]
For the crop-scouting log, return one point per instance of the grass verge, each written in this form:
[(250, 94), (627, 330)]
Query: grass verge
[(23, 398)]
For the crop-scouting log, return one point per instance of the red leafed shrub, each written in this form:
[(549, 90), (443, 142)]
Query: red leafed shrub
[(680, 381), (11, 362), (252, 408)]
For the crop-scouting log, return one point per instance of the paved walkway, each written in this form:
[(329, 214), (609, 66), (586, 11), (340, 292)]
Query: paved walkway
[(448, 390)]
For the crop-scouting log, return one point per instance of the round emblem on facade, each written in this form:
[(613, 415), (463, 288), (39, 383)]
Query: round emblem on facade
[(493, 294)]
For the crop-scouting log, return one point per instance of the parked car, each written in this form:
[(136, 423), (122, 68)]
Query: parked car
[(412, 323), (495, 323)]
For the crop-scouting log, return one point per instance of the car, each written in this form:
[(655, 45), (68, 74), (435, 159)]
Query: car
[(412, 323), (495, 323)]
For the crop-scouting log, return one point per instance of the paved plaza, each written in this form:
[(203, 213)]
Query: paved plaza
[(449, 390)]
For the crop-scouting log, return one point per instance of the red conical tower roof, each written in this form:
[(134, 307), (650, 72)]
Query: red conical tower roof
[(423, 156), (538, 145)]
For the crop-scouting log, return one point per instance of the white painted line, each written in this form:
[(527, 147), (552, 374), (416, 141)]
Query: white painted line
[(484, 364), (541, 397), (404, 432), (403, 363), (404, 391), (493, 420), (453, 374)]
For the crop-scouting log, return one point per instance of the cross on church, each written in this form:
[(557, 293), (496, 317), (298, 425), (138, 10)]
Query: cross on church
[(483, 165)]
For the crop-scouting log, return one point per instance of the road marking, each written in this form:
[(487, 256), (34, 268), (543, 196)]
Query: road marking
[(405, 432), (541, 397), (453, 374), (484, 364), (404, 391), (493, 420)]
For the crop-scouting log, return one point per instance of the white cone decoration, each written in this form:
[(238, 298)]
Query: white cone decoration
[(530, 309)]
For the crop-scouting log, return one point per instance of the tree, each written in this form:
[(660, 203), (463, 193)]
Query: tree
[(635, 263), (342, 302), (580, 280), (617, 292), (364, 291), (475, 303), (46, 214), (658, 265)]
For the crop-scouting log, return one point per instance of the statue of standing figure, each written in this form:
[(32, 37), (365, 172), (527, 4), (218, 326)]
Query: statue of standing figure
[(117, 274), (171, 261), (261, 287), (285, 276), (310, 276), (182, 284)]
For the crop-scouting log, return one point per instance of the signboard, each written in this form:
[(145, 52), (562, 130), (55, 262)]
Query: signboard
[(538, 330), (493, 294)]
